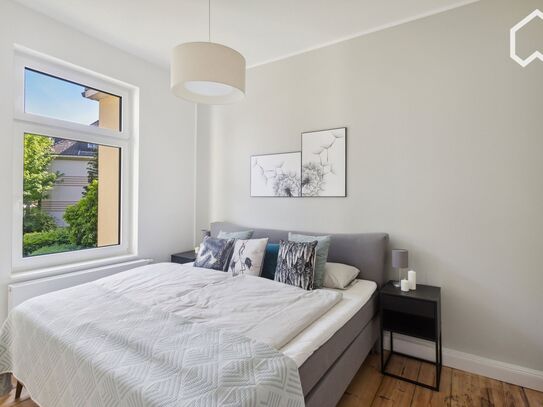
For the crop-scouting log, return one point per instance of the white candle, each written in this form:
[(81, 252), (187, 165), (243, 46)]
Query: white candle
[(412, 278), (404, 285)]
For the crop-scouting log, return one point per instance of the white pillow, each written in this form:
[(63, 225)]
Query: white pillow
[(337, 275), (248, 257)]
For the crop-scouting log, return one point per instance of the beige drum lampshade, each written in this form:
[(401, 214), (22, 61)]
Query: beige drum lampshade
[(206, 72)]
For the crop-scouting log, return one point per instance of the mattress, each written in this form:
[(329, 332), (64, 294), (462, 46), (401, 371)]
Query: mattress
[(319, 332)]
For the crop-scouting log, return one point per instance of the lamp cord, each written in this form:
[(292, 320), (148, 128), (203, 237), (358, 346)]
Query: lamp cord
[(209, 20)]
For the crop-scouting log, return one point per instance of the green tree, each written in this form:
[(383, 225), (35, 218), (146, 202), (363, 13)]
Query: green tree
[(82, 218), (38, 179), (92, 168)]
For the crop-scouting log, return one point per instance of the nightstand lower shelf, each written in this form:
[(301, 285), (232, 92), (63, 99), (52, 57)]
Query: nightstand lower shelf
[(415, 313), (438, 362)]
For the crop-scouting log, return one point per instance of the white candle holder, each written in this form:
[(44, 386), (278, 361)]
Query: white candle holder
[(412, 278), (404, 285)]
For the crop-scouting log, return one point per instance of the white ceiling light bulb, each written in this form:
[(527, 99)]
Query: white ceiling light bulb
[(207, 72)]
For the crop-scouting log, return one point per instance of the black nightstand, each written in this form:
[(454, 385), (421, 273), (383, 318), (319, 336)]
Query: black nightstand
[(415, 313), (184, 257)]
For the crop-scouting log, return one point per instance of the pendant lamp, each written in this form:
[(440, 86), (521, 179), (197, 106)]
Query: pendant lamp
[(207, 72)]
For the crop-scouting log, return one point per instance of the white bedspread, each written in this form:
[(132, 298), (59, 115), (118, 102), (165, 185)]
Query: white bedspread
[(161, 335), (264, 310)]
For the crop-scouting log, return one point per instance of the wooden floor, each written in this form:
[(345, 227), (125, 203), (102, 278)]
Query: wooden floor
[(370, 389), (458, 389)]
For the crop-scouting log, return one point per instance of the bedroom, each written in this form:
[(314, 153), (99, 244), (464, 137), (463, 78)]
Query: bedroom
[(434, 108)]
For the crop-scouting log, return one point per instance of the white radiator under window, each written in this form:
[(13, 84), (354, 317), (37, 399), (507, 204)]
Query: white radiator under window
[(19, 292)]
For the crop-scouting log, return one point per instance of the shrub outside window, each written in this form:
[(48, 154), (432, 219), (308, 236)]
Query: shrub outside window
[(71, 195)]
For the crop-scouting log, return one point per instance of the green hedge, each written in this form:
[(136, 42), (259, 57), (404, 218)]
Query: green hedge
[(36, 220), (55, 248), (36, 240)]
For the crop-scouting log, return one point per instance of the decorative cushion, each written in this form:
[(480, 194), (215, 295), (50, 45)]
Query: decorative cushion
[(215, 253), (338, 275), (244, 234), (296, 264), (270, 261), (323, 246), (248, 257)]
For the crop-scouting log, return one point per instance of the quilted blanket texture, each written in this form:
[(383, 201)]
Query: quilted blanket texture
[(93, 346)]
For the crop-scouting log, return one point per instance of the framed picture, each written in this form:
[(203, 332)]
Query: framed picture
[(276, 175), (324, 163)]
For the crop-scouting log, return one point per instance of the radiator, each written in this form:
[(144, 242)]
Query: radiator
[(19, 292)]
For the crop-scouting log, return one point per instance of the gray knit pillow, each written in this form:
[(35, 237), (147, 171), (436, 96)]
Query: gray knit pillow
[(296, 264)]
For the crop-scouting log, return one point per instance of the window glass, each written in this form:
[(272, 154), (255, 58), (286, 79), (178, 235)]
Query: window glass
[(71, 195), (49, 96)]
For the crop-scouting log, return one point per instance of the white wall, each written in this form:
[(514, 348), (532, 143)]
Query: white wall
[(167, 126), (445, 142)]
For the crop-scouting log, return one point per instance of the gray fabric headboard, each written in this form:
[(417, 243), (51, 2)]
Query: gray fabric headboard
[(365, 251)]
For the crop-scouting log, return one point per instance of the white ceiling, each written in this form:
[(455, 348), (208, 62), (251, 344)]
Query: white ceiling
[(262, 31)]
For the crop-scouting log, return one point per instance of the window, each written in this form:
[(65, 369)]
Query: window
[(57, 98), (74, 180), (71, 196)]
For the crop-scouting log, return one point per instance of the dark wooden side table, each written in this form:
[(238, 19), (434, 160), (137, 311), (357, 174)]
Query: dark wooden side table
[(415, 313), (184, 257)]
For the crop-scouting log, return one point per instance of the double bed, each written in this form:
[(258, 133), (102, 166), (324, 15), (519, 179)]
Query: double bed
[(337, 355), (170, 334)]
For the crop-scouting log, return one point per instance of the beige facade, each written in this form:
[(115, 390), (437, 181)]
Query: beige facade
[(108, 170), (109, 113), (109, 161)]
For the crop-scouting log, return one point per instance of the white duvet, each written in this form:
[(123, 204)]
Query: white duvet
[(161, 335), (261, 309)]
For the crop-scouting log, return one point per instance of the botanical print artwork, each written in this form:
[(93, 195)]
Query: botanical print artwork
[(276, 175), (324, 163)]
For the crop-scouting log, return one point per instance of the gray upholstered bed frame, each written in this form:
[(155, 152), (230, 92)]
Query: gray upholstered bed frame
[(326, 374)]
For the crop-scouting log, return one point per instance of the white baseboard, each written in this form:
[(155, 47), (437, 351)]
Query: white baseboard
[(506, 372)]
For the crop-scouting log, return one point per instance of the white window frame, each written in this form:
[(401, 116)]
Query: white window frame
[(126, 140)]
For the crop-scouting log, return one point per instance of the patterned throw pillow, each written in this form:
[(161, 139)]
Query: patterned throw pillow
[(215, 253), (296, 264), (248, 257), (323, 245)]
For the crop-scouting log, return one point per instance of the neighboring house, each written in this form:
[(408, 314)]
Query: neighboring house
[(71, 161), (72, 158)]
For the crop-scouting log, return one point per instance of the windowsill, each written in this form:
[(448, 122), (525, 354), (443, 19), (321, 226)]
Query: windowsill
[(21, 276)]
